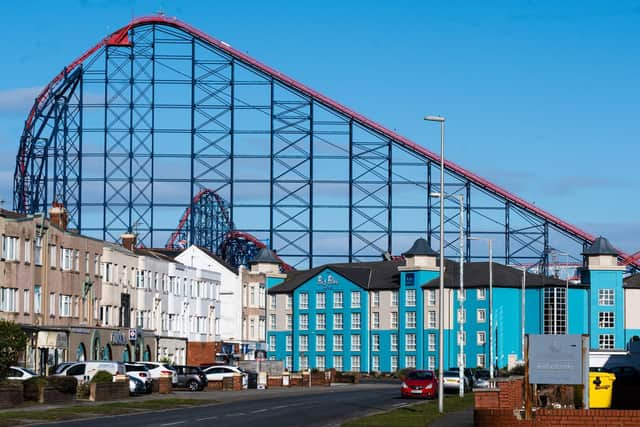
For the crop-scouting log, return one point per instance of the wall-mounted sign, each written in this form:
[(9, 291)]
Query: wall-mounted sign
[(118, 338), (328, 280), (409, 279), (133, 335)]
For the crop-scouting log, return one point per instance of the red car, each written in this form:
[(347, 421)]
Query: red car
[(420, 384)]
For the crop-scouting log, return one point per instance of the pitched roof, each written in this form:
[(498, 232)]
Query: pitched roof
[(219, 259), (420, 247), (265, 256), (600, 246), (476, 275), (154, 254), (368, 275), (632, 281)]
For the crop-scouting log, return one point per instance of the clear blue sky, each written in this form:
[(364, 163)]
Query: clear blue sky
[(541, 97)]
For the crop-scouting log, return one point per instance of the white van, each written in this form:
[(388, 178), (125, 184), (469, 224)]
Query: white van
[(84, 371)]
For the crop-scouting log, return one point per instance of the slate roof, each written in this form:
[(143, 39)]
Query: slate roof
[(600, 246), (632, 281), (265, 255), (420, 247), (373, 275), (476, 275)]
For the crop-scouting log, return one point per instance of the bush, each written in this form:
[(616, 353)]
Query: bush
[(402, 373), (102, 377), (517, 370), (31, 386), (67, 385), (83, 391)]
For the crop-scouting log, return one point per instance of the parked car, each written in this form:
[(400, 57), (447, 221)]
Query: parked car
[(61, 367), (420, 384), (159, 369), (84, 371), (468, 373), (191, 377), (451, 381), (20, 374), (481, 378), (142, 373), (136, 386), (218, 372)]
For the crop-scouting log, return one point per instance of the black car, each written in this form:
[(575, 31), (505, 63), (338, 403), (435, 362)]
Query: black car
[(191, 377)]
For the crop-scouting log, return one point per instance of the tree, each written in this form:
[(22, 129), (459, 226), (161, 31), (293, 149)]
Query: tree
[(13, 340)]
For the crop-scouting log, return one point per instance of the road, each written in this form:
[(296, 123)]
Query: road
[(321, 407)]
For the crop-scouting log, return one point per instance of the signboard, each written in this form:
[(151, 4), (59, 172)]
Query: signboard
[(409, 279), (118, 338), (133, 335), (555, 359)]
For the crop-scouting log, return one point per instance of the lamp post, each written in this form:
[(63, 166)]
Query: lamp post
[(441, 305), (490, 243), (461, 320)]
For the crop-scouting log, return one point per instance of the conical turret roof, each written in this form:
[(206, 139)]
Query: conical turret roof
[(600, 246), (420, 247), (265, 256)]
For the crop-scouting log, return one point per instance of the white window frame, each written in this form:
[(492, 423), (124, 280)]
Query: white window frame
[(321, 300), (431, 319), (338, 342), (321, 342), (481, 315), (394, 319), (355, 342), (431, 342), (410, 318), (303, 301), (481, 361), (303, 342), (410, 297), (338, 321), (481, 294), (321, 321), (481, 337), (303, 321), (338, 299), (394, 342), (375, 342), (410, 342), (606, 319), (356, 321), (375, 320), (606, 297)]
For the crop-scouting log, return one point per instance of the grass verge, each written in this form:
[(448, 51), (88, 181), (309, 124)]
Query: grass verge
[(418, 415), (83, 411)]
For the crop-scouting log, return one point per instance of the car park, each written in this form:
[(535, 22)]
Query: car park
[(218, 372), (141, 372), (451, 381), (18, 373), (159, 369), (191, 377), (419, 383)]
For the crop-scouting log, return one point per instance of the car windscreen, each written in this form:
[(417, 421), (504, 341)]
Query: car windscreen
[(29, 371), (420, 375)]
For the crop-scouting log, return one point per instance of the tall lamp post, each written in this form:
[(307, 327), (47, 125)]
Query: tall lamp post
[(461, 320), (440, 120), (490, 243)]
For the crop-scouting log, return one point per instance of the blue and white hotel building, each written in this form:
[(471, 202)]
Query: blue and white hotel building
[(383, 316)]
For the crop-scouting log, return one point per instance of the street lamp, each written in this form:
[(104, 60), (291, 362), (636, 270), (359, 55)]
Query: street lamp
[(461, 342), (490, 243), (441, 305)]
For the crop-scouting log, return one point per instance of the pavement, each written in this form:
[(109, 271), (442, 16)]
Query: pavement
[(455, 419)]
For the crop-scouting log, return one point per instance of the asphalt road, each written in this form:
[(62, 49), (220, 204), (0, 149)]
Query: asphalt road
[(326, 407)]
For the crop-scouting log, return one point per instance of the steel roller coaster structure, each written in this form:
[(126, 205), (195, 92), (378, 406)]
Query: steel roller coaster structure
[(160, 121)]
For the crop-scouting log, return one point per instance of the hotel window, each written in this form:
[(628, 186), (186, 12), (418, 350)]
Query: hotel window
[(304, 342), (410, 297), (375, 342), (355, 342), (376, 298), (338, 300), (304, 321), (338, 343), (289, 301), (272, 321), (462, 338), (394, 298), (431, 362), (288, 362), (9, 299), (410, 344), (272, 343), (480, 361), (375, 320), (411, 319), (304, 301), (481, 338), (27, 251), (26, 301), (481, 315), (355, 299), (606, 297), (394, 363), (606, 341), (65, 306), (37, 299), (337, 363), (338, 321), (431, 342), (288, 343), (555, 311), (355, 363), (431, 319), (304, 363), (52, 255), (481, 293), (320, 342), (431, 297), (375, 363), (38, 251), (409, 361), (52, 304), (394, 342), (394, 319), (272, 301), (462, 315), (355, 320), (606, 319), (321, 300), (320, 363), (321, 320), (11, 247), (289, 321)]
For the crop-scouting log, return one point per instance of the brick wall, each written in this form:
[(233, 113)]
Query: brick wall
[(501, 407), (202, 353)]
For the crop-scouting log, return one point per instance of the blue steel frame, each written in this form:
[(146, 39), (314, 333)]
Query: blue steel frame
[(157, 112)]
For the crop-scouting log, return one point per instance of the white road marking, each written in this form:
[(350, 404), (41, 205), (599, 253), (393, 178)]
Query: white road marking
[(257, 411), (173, 424), (207, 418), (397, 405), (235, 414), (281, 407)]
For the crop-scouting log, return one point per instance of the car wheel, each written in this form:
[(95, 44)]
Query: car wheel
[(193, 385)]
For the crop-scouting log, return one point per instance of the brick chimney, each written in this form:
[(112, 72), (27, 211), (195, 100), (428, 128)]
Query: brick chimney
[(129, 240), (58, 215)]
